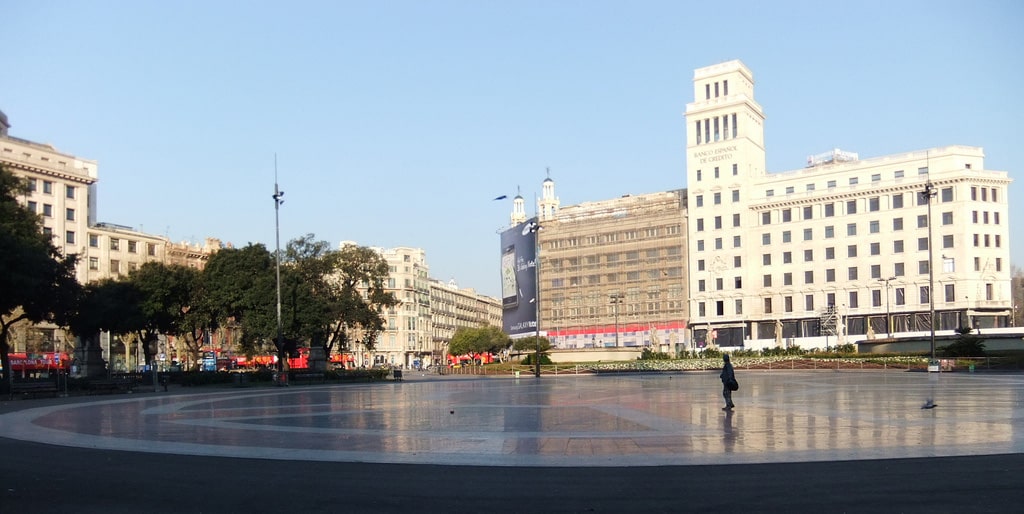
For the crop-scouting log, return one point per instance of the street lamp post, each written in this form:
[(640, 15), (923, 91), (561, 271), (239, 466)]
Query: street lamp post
[(535, 229), (929, 193), (616, 300), (888, 316), (278, 194)]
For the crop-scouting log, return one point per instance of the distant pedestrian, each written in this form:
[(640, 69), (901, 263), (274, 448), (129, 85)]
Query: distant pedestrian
[(729, 383)]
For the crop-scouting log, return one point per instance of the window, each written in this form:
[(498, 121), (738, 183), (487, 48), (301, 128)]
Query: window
[(766, 218), (830, 184), (719, 284), (873, 204), (739, 306), (950, 291), (94, 263), (769, 193), (808, 277), (698, 141), (716, 171), (701, 285), (898, 174), (876, 297), (69, 192), (766, 239), (897, 246), (922, 267), (736, 220), (737, 282), (735, 167), (718, 222), (700, 224), (830, 253), (787, 215), (133, 246), (853, 181), (766, 280), (718, 243), (787, 279), (700, 265), (876, 248), (808, 255), (787, 236), (766, 259), (700, 200), (808, 234), (898, 269), (830, 232), (47, 187), (69, 214), (897, 224), (830, 210), (69, 237), (809, 302), (787, 257), (851, 229), (150, 249), (830, 275), (851, 251), (876, 271), (788, 303), (115, 243), (718, 198), (901, 296), (873, 227), (808, 212), (94, 241), (47, 210), (736, 195), (115, 266), (737, 261), (947, 218), (736, 241), (33, 207), (851, 273), (947, 241), (923, 294), (897, 201), (854, 304), (922, 243), (768, 305), (947, 194)]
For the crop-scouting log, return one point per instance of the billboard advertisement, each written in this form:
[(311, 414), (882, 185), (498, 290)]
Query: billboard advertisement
[(519, 279)]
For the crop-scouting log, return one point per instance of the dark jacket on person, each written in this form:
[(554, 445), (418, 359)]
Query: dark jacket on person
[(727, 371)]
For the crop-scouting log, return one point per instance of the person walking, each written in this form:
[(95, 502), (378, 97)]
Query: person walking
[(728, 377)]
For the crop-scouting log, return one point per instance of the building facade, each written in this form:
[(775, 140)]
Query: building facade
[(846, 248), (452, 308), (612, 272)]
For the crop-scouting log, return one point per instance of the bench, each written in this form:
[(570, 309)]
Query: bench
[(33, 388), (310, 377), (112, 384)]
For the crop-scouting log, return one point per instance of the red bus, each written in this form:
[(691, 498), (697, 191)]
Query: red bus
[(40, 362)]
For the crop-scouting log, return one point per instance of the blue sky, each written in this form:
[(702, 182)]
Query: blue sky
[(396, 122)]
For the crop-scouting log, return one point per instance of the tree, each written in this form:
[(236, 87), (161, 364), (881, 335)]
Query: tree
[(1017, 296), (966, 345), (37, 282), (472, 340), (170, 305), (359, 293), (240, 287), (532, 344)]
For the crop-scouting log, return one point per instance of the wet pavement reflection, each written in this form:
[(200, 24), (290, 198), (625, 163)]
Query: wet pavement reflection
[(621, 420)]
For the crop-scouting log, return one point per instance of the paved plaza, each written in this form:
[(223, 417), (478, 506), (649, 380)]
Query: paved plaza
[(667, 427)]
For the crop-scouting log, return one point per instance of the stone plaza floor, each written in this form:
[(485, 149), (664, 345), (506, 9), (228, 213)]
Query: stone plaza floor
[(622, 420)]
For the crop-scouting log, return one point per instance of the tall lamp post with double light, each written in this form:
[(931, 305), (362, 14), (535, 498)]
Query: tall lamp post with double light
[(535, 228), (278, 195), (929, 193), (616, 300), (888, 315)]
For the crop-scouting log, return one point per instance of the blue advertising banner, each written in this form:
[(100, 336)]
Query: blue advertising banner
[(519, 279)]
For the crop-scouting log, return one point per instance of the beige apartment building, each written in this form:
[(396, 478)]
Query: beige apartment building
[(845, 248), (452, 308), (612, 272), (62, 190)]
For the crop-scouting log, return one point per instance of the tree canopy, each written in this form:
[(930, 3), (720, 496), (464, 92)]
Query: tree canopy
[(470, 340)]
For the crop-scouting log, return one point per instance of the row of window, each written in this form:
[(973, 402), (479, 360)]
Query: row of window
[(613, 237), (853, 181), (853, 300), (613, 278), (615, 257), (735, 172), (115, 244), (47, 211), (33, 186), (114, 265), (717, 128)]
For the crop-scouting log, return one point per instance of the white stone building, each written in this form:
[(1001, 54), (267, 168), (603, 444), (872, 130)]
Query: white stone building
[(837, 251)]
